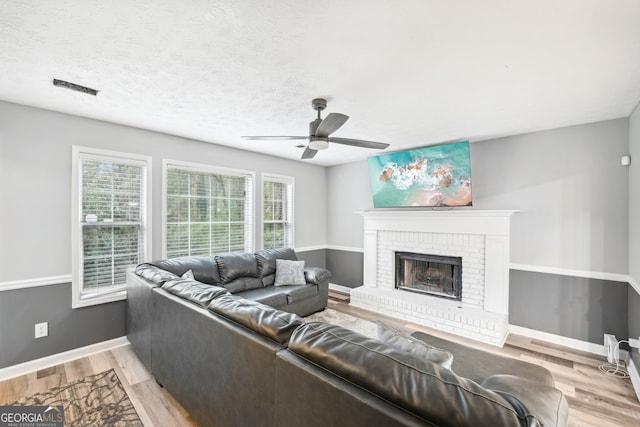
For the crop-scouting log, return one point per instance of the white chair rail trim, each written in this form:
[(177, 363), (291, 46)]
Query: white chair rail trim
[(34, 283)]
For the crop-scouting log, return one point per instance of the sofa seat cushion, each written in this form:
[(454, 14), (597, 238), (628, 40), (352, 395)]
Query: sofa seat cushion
[(410, 382), (154, 274), (547, 403), (242, 284), (269, 322), (194, 291), (297, 293), (477, 364), (270, 296), (204, 268)]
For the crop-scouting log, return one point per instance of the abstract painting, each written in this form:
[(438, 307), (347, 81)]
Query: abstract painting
[(438, 175)]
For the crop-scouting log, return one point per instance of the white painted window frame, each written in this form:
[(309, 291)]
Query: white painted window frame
[(221, 170), (284, 179), (81, 153)]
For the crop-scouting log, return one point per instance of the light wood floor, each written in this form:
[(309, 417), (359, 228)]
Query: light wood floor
[(154, 404), (594, 398)]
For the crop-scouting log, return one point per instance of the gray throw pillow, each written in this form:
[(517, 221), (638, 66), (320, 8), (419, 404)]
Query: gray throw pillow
[(404, 342), (289, 272)]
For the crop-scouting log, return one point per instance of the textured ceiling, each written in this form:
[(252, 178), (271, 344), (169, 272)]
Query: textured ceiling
[(408, 72)]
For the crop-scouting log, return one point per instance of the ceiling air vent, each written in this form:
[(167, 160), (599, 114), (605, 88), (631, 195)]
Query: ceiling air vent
[(73, 86)]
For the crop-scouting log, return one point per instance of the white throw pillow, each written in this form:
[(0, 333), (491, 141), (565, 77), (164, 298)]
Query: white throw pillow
[(289, 273), (409, 344), (188, 275)]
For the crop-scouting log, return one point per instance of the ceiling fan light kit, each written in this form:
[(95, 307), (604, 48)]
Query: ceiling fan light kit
[(319, 131), (318, 144)]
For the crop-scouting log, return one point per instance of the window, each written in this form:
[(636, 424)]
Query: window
[(277, 209), (110, 226), (207, 210)]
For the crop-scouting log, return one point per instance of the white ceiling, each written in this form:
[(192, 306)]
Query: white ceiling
[(408, 72)]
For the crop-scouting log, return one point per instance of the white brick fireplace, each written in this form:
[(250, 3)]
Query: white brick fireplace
[(480, 238)]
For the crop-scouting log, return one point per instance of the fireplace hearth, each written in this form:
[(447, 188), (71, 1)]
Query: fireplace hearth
[(479, 238), (436, 275)]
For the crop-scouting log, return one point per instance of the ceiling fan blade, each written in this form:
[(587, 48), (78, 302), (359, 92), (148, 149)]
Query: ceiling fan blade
[(359, 143), (330, 124), (273, 138), (309, 153)]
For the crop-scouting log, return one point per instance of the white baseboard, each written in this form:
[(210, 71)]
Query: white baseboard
[(340, 288), (635, 377), (559, 340), (59, 358)]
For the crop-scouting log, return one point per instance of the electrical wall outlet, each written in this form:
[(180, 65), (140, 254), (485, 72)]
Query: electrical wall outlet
[(42, 329)]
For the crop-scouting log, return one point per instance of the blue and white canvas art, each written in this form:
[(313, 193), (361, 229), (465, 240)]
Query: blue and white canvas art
[(438, 175)]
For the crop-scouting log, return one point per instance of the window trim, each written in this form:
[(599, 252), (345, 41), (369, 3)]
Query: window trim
[(285, 179), (204, 168), (88, 153)]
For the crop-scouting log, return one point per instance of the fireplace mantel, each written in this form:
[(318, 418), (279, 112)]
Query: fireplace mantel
[(481, 237), (468, 221)]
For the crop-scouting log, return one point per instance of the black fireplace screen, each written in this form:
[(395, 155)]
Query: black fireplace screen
[(435, 275)]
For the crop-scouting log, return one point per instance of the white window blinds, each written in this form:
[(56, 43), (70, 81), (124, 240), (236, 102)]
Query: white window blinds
[(208, 211), (277, 209), (111, 223)]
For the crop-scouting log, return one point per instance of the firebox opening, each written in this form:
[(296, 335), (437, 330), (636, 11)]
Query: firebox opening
[(436, 275)]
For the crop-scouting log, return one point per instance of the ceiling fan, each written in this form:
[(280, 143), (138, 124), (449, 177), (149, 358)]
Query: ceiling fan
[(319, 131)]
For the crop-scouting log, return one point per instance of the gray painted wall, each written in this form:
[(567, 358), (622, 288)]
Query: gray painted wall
[(634, 195), (69, 328), (570, 189), (634, 322), (573, 197), (346, 267), (35, 162), (574, 307), (567, 183), (35, 229), (314, 258), (634, 228), (348, 191)]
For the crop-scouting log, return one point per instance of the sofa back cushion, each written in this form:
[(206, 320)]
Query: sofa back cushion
[(408, 381), (204, 267), (269, 322), (267, 262), (238, 271), (154, 274), (194, 291)]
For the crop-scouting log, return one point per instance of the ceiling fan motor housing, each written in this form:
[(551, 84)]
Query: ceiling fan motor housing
[(317, 142), (313, 126)]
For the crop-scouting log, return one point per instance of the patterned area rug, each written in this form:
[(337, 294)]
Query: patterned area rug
[(96, 400), (345, 320)]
